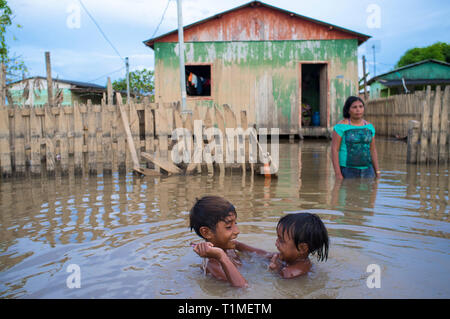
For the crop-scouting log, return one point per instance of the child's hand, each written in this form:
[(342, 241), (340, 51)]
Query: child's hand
[(275, 262), (207, 249)]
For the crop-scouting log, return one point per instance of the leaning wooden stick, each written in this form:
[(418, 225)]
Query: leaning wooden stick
[(134, 157)]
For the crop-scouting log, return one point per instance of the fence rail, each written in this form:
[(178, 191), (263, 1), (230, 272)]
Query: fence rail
[(421, 118), (95, 139)]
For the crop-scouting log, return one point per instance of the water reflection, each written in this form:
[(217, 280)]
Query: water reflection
[(130, 235)]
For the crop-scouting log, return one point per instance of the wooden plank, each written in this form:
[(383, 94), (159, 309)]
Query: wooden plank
[(413, 142), (19, 143), (424, 135), (149, 129), (5, 149), (443, 157), (208, 124), (35, 143), (231, 145), (63, 129), (50, 141), (106, 139), (78, 140), (110, 92), (435, 124), (98, 136), (243, 145), (198, 148), (161, 162), (121, 144), (129, 137), (134, 127), (92, 139), (222, 141)]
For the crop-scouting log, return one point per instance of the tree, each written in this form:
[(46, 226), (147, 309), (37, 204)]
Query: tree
[(437, 51), (141, 84), (15, 67)]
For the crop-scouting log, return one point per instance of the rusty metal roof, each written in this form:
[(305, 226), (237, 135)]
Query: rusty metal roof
[(257, 4)]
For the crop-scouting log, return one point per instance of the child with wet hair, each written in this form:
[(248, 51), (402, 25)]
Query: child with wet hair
[(213, 218), (298, 236)]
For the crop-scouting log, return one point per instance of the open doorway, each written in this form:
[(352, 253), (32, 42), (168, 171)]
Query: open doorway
[(314, 95)]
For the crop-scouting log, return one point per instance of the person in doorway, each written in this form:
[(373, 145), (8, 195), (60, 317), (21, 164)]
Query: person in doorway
[(353, 150)]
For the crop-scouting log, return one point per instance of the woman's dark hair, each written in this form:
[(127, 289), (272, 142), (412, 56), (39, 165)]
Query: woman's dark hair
[(348, 103), (306, 228), (208, 211)]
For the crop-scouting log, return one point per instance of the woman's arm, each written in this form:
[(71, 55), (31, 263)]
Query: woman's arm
[(335, 146), (374, 155), (223, 268)]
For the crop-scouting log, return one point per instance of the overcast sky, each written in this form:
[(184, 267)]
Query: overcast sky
[(80, 52)]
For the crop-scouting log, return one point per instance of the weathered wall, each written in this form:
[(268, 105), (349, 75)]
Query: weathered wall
[(261, 77)]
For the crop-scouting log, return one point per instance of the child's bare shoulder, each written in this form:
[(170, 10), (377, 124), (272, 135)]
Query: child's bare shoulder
[(291, 272)]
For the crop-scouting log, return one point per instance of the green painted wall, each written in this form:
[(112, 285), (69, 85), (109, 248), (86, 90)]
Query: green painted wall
[(261, 72)]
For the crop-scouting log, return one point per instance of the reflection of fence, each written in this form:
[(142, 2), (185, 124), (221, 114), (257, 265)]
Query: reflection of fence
[(421, 117), (91, 138)]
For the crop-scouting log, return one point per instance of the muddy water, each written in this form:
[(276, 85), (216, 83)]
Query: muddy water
[(129, 236)]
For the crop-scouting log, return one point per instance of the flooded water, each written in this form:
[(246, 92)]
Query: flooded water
[(130, 236)]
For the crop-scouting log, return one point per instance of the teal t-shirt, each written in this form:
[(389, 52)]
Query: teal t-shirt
[(355, 145)]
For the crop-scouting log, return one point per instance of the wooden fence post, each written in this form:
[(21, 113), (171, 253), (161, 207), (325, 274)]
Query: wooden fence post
[(49, 140), (63, 129), (19, 142), (49, 79), (35, 141), (435, 123), (5, 149), (78, 140), (106, 139), (92, 139), (443, 157), (413, 142), (425, 126)]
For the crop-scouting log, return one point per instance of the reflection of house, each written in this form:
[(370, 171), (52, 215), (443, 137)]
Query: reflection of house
[(64, 92), (264, 60), (410, 78)]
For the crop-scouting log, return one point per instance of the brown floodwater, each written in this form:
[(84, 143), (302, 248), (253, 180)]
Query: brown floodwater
[(130, 236)]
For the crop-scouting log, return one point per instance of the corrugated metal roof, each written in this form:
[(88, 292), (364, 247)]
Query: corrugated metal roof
[(361, 37), (75, 83), (407, 67)]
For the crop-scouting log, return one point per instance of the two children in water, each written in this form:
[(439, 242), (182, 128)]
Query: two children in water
[(298, 235)]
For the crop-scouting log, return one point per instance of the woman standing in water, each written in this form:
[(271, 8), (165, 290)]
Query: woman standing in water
[(353, 150)]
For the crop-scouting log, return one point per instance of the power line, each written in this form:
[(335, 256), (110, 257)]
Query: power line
[(162, 18), (100, 77), (100, 29)]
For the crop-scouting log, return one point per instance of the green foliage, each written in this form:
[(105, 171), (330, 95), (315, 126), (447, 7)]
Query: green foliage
[(14, 65), (141, 83), (437, 51)]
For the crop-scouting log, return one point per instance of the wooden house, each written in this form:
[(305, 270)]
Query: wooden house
[(33, 91), (265, 60), (410, 78)]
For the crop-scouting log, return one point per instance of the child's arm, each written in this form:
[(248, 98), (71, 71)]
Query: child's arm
[(227, 271), (244, 247)]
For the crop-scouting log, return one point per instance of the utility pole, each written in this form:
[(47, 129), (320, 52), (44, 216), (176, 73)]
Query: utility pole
[(364, 77), (181, 53), (49, 79), (127, 65)]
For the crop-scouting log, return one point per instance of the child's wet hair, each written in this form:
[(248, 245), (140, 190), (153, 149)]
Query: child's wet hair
[(306, 228), (208, 211)]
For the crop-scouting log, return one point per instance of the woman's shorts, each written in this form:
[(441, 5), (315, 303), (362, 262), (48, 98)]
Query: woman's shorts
[(349, 172)]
